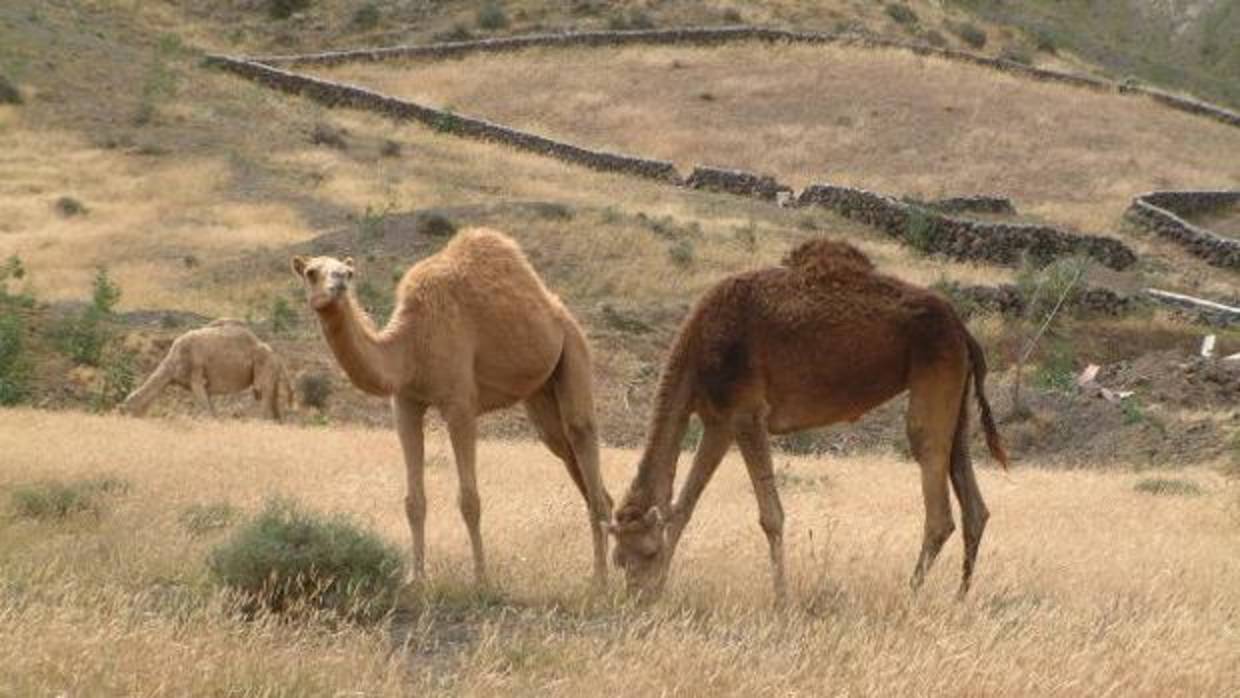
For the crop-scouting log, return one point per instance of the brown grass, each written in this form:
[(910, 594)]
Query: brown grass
[(880, 119), (1086, 586)]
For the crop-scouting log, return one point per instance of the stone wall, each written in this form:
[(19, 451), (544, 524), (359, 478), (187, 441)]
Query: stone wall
[(1161, 212), (335, 94), (719, 35), (736, 182), (1003, 243), (973, 204), (1006, 299)]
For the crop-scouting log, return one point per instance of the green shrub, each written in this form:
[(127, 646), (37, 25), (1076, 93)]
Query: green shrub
[(367, 16), (969, 33), (1044, 41), (491, 16), (1172, 487), (902, 14), (55, 499), (283, 9), (314, 389), (119, 377), (83, 336), (15, 367), (681, 252), (378, 302), (9, 94), (1057, 370), (934, 38), (287, 558), (283, 317), (1016, 54), (69, 207), (921, 232), (201, 519)]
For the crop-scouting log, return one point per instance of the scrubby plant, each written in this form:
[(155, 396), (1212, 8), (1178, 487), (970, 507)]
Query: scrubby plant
[(202, 519), (283, 9), (9, 94), (160, 81), (681, 253), (84, 335), (367, 16), (1169, 487), (902, 14), (314, 389), (119, 378), (921, 232), (808, 442), (15, 367), (632, 20), (49, 500), (1016, 54), (288, 558), (969, 33), (491, 15), (69, 207), (282, 316)]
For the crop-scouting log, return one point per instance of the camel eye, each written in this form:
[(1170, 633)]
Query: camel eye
[(349, 275), (313, 275)]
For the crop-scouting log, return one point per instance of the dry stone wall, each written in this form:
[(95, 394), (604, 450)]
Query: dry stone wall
[(736, 182), (705, 36), (1163, 211), (1003, 243), (1007, 300)]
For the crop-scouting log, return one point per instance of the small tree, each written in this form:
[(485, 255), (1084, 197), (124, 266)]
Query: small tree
[(1045, 292)]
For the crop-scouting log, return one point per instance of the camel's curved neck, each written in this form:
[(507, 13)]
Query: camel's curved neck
[(656, 471), (372, 359)]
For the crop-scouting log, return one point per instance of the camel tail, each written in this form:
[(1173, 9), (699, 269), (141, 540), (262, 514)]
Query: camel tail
[(978, 361)]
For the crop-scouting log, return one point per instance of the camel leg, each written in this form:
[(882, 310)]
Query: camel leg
[(716, 440), (973, 512), (409, 415), (463, 431), (574, 397), (752, 438), (198, 384), (544, 413), (267, 389), (933, 410)]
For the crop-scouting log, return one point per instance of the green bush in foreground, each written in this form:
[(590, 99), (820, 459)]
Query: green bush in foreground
[(54, 499), (287, 558), (1171, 487)]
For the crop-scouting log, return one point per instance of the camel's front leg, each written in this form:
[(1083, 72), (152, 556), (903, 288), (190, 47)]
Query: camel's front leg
[(409, 415), (716, 440), (751, 436), (462, 430)]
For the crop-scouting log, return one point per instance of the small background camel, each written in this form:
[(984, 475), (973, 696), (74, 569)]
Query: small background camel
[(821, 339), (474, 330), (220, 358)]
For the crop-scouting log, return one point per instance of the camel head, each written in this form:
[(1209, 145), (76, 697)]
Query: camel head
[(326, 279), (641, 549)]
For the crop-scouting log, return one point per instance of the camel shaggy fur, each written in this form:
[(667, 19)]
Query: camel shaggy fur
[(220, 358), (823, 338), (474, 330)]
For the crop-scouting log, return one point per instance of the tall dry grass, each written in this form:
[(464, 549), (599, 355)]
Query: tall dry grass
[(1086, 586), (880, 119)]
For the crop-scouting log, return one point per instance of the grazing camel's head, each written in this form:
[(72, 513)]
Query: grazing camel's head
[(327, 279), (641, 549)]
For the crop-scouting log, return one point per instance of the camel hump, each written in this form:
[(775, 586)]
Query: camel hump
[(823, 255)]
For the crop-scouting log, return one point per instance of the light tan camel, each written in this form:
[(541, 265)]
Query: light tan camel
[(220, 358), (822, 338), (474, 330)]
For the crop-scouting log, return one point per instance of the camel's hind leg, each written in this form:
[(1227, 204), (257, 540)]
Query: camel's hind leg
[(751, 437), (973, 512), (573, 389), (198, 384), (409, 416), (933, 410)]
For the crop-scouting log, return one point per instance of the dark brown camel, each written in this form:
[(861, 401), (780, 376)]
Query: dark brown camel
[(823, 338)]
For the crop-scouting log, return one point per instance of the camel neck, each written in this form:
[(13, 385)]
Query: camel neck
[(656, 472), (371, 358)]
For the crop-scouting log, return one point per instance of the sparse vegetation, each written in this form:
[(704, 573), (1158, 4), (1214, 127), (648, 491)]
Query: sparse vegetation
[(69, 207), (9, 93), (314, 389), (1016, 54), (902, 14), (203, 519), (367, 16), (969, 33), (1169, 487), (288, 558), (15, 363), (50, 500), (84, 335), (681, 252), (118, 379), (491, 16), (282, 317), (283, 9), (632, 20), (921, 232)]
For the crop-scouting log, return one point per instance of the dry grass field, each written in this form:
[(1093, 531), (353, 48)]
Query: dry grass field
[(1086, 585), (881, 119)]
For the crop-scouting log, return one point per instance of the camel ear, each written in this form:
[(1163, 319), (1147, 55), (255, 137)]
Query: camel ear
[(348, 262), (653, 518), (299, 265)]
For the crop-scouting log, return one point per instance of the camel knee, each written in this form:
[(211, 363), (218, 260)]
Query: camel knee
[(415, 507), (772, 523), (471, 506), (937, 532), (580, 432)]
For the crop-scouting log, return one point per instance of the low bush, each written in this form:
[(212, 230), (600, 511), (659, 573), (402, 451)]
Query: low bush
[(1169, 487), (314, 389), (201, 519), (491, 16), (902, 14), (969, 33), (55, 499), (287, 558)]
